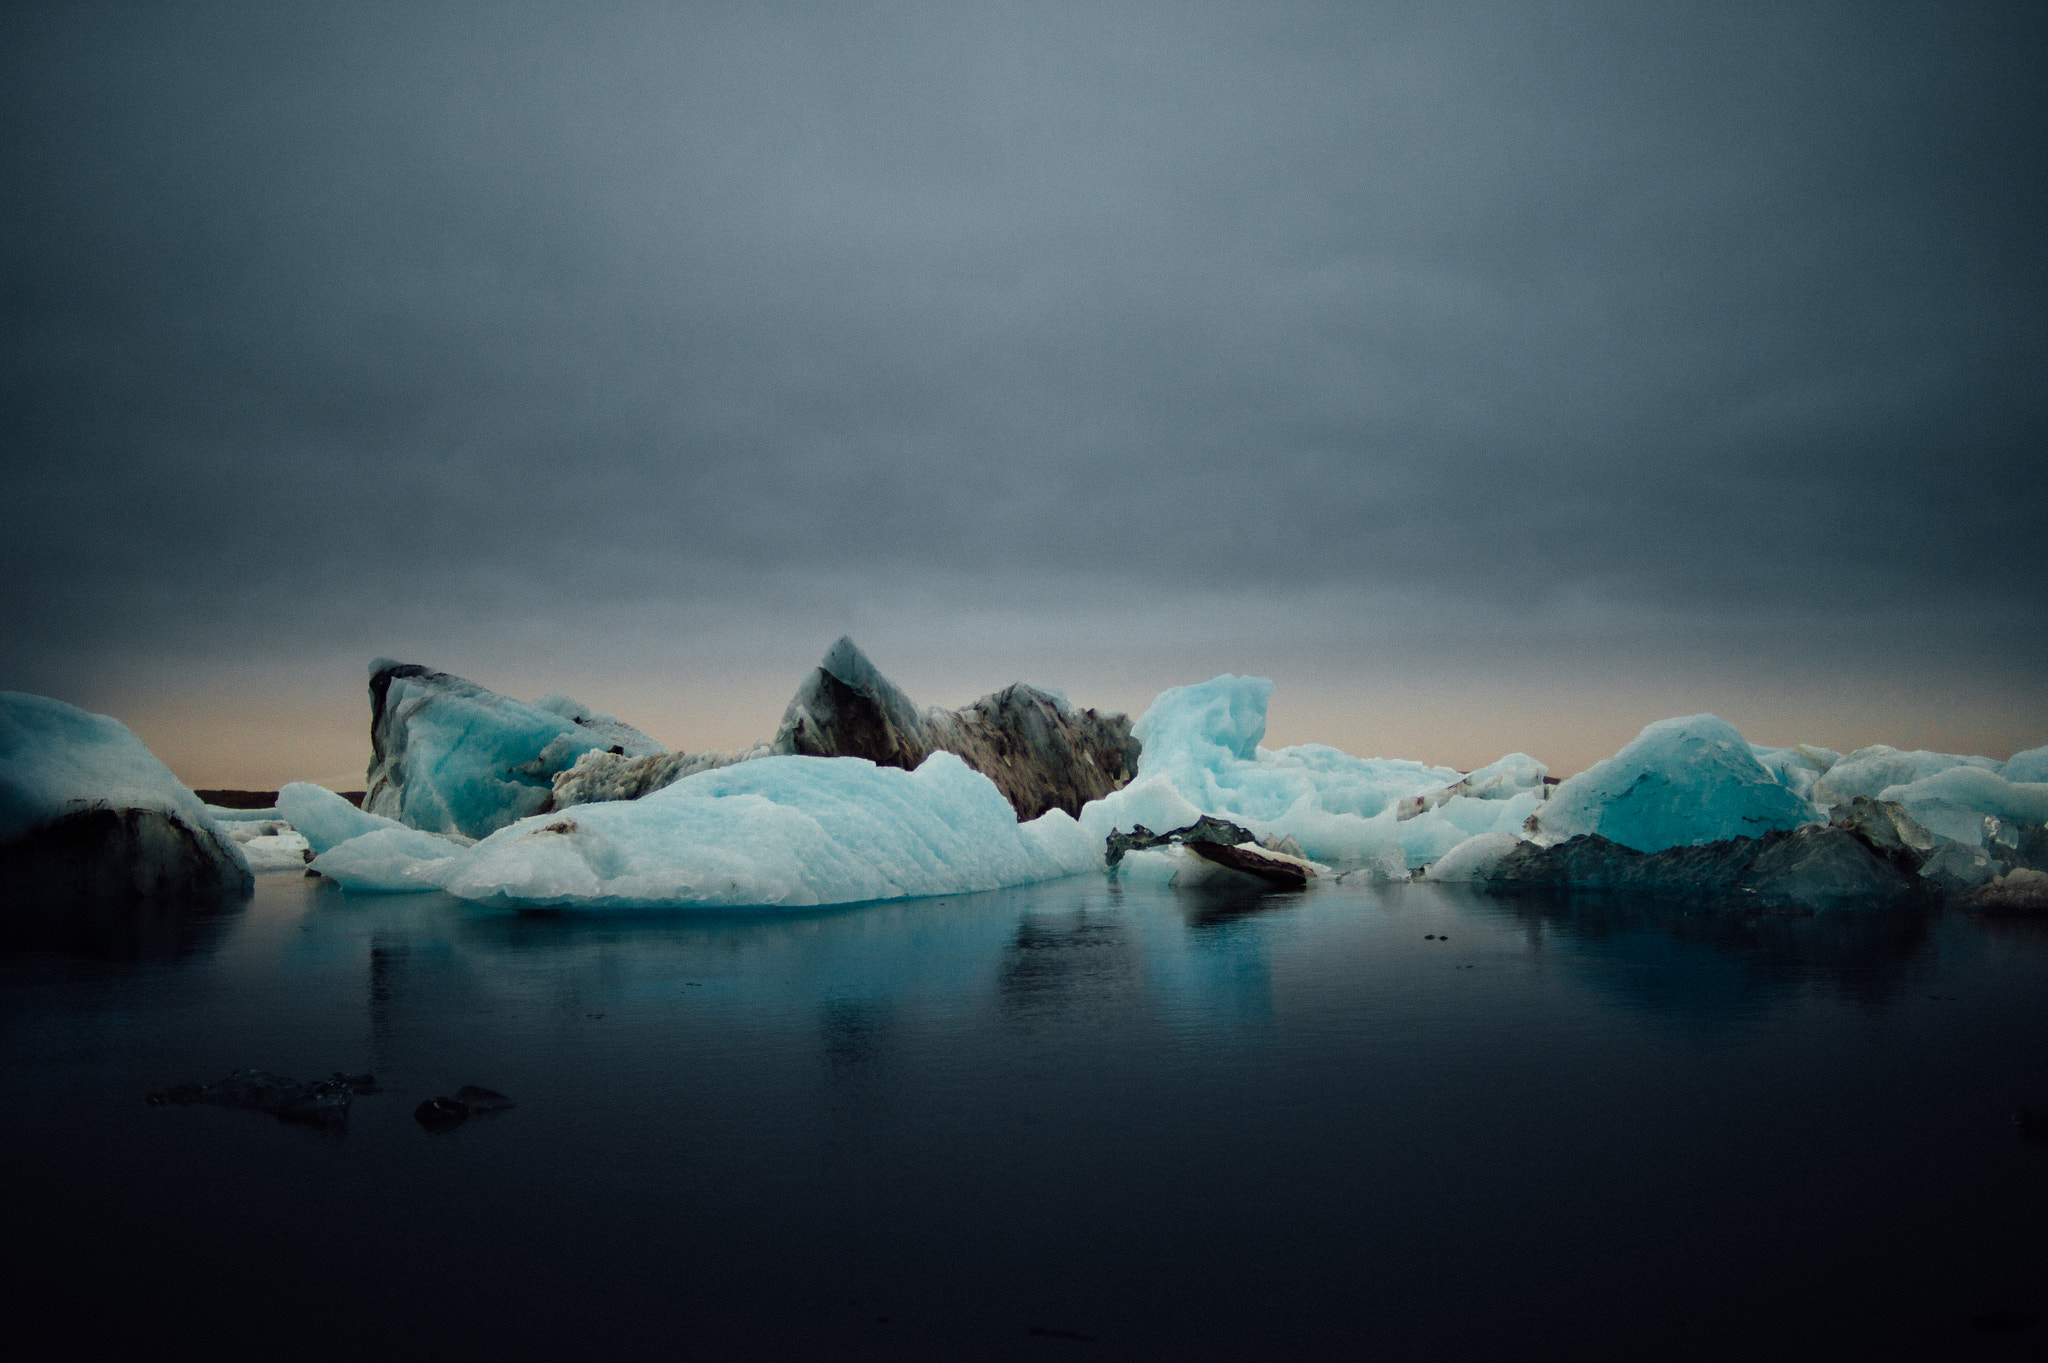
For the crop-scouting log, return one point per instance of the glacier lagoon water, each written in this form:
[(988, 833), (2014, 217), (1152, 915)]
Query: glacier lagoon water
[(1068, 1120)]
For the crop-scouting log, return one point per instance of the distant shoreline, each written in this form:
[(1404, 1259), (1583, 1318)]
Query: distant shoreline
[(261, 799)]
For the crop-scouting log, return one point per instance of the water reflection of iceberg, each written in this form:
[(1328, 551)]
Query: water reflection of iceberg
[(146, 930), (1710, 963), (1082, 948), (1076, 957)]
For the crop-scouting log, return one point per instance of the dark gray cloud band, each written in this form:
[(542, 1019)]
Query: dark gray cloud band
[(453, 315)]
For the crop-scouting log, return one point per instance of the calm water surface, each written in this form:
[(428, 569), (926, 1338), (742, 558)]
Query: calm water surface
[(1069, 1121)]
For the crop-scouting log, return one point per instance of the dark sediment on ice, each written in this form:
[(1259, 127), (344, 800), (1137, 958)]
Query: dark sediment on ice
[(519, 746), (1805, 868), (102, 855), (1224, 843), (1042, 753)]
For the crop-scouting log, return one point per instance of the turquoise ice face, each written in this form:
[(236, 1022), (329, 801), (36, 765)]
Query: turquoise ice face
[(1682, 782)]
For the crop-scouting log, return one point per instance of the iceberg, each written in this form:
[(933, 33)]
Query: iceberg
[(1042, 752), (1807, 868), (1503, 779), (1200, 755), (2029, 767), (448, 756), (268, 844), (615, 734), (323, 818), (1797, 768), (1965, 803), (1886, 829), (360, 851), (88, 813), (781, 831), (599, 776), (394, 860), (1871, 771), (1681, 782), (1475, 859)]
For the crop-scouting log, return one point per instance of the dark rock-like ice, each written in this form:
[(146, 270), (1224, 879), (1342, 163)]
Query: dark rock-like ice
[(1811, 867), (88, 815), (1041, 752), (323, 1102)]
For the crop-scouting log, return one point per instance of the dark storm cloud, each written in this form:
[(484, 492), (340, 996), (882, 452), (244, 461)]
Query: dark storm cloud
[(1694, 314)]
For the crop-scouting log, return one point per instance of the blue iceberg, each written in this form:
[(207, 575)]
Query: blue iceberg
[(449, 756), (1201, 755), (1680, 783), (87, 812), (1964, 804), (776, 832)]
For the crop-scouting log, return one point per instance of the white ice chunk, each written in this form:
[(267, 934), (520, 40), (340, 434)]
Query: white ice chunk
[(1474, 859), (1954, 803), (56, 759), (323, 818), (1386, 867), (2030, 766), (778, 832), (222, 815), (1154, 865), (1681, 782), (1798, 768), (1504, 778), (611, 731), (394, 860), (1201, 755), (1428, 836), (1869, 771), (1477, 816), (280, 850)]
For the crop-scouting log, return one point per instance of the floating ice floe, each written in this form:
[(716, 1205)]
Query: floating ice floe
[(780, 831), (777, 832), (324, 818), (361, 851), (1690, 807), (87, 812), (392, 860), (269, 844)]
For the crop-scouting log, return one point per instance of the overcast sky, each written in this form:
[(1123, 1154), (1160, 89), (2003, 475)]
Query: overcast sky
[(1491, 376)]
